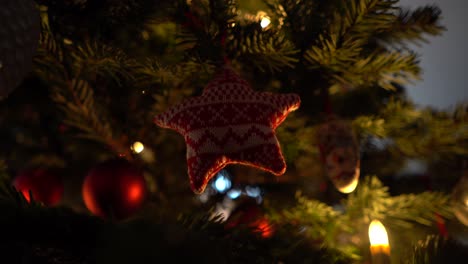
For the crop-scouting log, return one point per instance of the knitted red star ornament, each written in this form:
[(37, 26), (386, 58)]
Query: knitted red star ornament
[(229, 123)]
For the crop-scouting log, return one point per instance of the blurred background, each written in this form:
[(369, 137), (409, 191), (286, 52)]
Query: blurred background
[(444, 59)]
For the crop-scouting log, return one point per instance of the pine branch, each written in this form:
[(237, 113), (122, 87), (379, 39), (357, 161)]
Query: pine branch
[(9, 194), (297, 19), (412, 26), (105, 19), (153, 73), (437, 250), (320, 221), (342, 50), (77, 102), (359, 18), (93, 59), (417, 133), (223, 12), (406, 209), (372, 201), (368, 201), (349, 30), (204, 25), (91, 240), (171, 84), (266, 50), (384, 69), (49, 58), (65, 68), (330, 52)]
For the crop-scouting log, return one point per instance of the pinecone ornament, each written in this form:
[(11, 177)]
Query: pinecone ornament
[(339, 152), (19, 37)]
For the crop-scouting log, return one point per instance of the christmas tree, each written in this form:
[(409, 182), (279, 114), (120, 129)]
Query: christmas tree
[(290, 134)]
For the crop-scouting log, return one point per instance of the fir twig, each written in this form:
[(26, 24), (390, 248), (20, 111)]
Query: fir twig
[(266, 50), (342, 50), (413, 25), (437, 250), (93, 59), (424, 130), (81, 113)]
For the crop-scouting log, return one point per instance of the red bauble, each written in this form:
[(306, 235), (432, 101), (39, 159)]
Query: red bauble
[(45, 185), (114, 188), (250, 214)]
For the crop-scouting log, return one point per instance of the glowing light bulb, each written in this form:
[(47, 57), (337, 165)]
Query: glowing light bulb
[(67, 41), (377, 233), (145, 35), (234, 193), (138, 147), (265, 22), (352, 185), (222, 182), (252, 191), (379, 247)]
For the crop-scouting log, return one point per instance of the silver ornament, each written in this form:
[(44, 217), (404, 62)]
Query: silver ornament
[(19, 37)]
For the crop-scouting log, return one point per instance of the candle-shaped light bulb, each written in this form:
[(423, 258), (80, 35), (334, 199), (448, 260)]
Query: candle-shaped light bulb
[(380, 248), (377, 234)]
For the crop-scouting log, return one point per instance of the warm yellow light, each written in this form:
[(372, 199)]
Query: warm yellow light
[(377, 234), (67, 41), (138, 147), (352, 185), (145, 35), (265, 22)]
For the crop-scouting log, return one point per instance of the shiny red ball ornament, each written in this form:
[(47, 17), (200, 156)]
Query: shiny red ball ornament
[(45, 185), (114, 189), (251, 214)]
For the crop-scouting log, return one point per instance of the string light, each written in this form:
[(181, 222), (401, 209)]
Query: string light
[(253, 191), (145, 35), (377, 234), (234, 193), (67, 41), (379, 246), (222, 183), (137, 147), (265, 22)]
